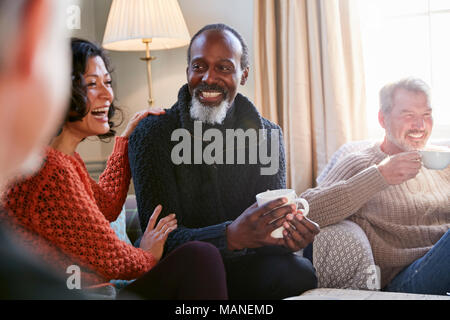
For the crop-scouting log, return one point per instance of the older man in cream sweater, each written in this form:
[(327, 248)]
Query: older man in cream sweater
[(403, 207)]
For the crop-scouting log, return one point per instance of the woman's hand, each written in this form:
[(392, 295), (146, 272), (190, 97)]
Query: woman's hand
[(154, 239), (138, 116)]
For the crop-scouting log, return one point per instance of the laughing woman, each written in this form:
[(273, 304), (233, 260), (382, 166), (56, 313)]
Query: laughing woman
[(71, 212)]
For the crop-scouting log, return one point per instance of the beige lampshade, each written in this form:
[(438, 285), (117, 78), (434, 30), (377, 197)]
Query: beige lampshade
[(131, 21)]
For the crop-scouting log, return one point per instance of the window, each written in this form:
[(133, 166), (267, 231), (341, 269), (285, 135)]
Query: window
[(407, 38)]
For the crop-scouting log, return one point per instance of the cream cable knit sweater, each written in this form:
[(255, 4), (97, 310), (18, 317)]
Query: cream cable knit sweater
[(402, 222)]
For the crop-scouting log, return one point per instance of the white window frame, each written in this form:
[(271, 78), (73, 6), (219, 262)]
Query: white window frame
[(380, 29)]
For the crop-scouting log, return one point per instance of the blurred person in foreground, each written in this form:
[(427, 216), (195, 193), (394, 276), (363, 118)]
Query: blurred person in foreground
[(34, 87)]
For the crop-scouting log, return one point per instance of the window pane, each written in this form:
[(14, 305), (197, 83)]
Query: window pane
[(439, 5), (393, 8), (403, 7), (402, 38), (440, 24), (394, 49)]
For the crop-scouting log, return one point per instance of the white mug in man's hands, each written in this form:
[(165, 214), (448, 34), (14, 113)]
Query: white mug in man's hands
[(264, 197)]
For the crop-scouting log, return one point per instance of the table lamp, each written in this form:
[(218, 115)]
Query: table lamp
[(144, 25)]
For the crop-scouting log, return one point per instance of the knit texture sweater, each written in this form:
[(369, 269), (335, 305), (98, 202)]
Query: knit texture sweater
[(64, 209), (205, 198), (402, 222)]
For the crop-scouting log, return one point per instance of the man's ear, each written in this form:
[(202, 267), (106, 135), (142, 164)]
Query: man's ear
[(34, 22), (382, 119), (244, 76)]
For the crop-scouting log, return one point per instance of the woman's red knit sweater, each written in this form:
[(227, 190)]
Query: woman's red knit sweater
[(72, 212)]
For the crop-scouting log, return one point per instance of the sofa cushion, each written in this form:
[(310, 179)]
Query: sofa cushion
[(342, 152), (134, 230), (120, 228), (343, 258)]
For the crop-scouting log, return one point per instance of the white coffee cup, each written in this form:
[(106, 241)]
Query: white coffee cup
[(264, 197), (435, 159)]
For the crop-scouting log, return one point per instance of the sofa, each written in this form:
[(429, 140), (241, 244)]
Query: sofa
[(358, 276), (337, 241)]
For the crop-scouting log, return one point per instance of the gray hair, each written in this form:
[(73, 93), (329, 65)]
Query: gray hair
[(387, 93), (10, 18), (223, 27)]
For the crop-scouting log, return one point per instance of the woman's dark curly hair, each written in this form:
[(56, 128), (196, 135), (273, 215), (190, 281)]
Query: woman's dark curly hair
[(82, 50)]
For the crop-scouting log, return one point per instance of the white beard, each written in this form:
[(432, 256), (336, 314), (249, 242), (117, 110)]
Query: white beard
[(210, 115), (403, 144), (399, 144)]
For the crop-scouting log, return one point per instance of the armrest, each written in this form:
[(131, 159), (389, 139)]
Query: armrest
[(343, 257)]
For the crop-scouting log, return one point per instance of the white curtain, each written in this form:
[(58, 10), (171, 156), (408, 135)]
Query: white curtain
[(309, 79)]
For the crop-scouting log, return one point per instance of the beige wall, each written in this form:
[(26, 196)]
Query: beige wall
[(169, 70)]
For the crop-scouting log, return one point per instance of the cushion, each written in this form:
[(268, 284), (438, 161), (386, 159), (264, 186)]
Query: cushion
[(120, 228), (134, 230), (342, 152), (343, 258)]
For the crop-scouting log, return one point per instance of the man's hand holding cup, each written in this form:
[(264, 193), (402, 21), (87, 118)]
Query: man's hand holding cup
[(297, 231), (253, 227), (273, 220)]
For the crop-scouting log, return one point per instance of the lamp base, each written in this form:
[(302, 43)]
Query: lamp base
[(148, 59)]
